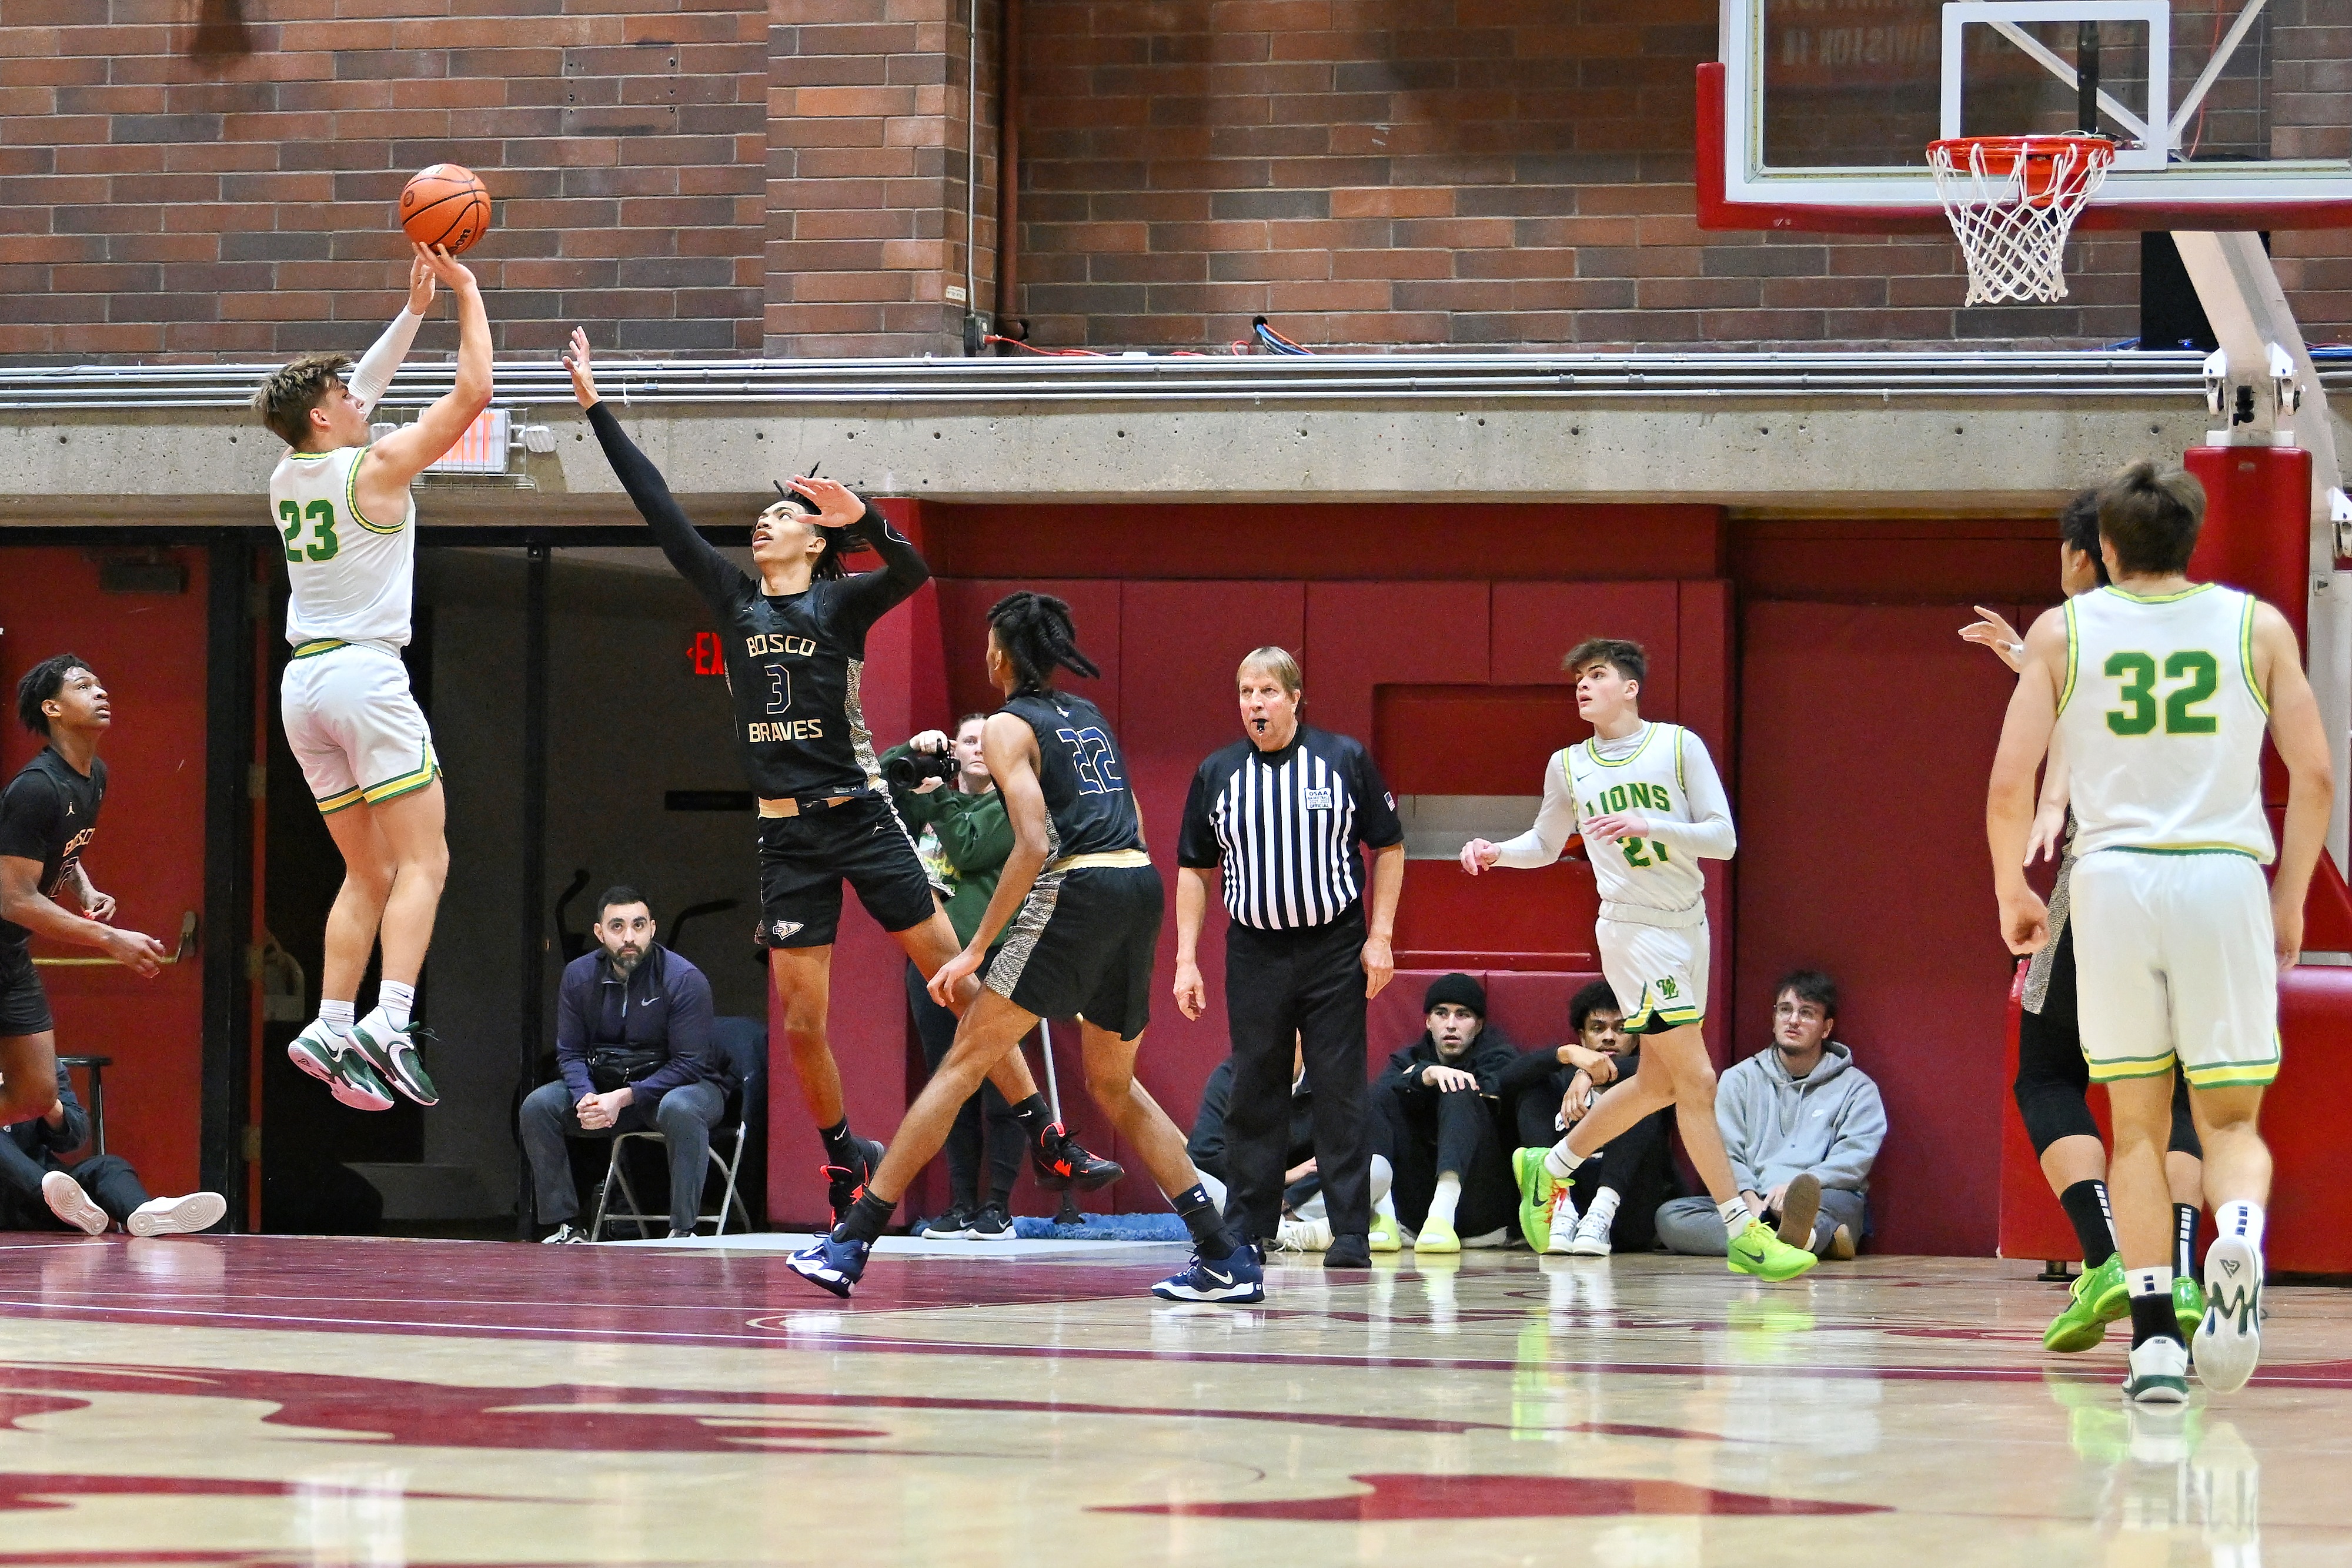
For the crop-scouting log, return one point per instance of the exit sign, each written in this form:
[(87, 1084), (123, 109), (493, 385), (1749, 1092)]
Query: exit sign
[(706, 655)]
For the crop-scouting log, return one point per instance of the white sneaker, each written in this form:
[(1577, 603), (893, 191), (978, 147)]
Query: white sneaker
[(2229, 1339), (70, 1203), (563, 1235), (1304, 1235), (2158, 1373), (1564, 1222), (1591, 1238), (177, 1216)]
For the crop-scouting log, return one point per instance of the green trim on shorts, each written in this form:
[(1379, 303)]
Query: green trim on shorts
[(319, 646), (343, 802), (2184, 850), (2102, 1073)]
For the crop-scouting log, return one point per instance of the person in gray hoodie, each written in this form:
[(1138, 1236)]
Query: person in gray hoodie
[(1803, 1125)]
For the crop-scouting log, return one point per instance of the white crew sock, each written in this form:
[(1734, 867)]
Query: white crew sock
[(2239, 1220), (1604, 1207), (339, 1016), (393, 999), (1441, 1202), (1736, 1215), (1383, 1178), (1385, 1206), (1562, 1161)]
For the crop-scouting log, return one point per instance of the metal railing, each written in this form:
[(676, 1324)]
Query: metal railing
[(1177, 379)]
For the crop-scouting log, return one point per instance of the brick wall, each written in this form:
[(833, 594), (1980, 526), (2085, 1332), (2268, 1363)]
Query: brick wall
[(160, 199), (1471, 172), (193, 178), (868, 172)]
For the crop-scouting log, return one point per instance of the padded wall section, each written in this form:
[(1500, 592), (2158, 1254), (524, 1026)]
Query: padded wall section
[(149, 851), (1866, 736), (964, 605), (1360, 635), (1185, 642), (1383, 542)]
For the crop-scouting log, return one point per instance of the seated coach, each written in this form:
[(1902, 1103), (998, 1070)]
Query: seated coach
[(633, 1040)]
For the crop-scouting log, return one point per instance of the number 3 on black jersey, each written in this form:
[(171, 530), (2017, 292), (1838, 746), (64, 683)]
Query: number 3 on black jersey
[(1091, 755), (779, 688)]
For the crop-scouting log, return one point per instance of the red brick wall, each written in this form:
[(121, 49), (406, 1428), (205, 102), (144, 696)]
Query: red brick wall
[(156, 202), (867, 175), (1468, 173), (707, 176)]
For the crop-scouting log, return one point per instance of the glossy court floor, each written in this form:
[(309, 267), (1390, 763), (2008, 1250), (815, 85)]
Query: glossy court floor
[(272, 1401)]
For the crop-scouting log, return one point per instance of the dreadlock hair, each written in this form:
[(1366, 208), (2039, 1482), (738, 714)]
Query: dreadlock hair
[(1037, 634), (42, 682), (284, 402), (2078, 525)]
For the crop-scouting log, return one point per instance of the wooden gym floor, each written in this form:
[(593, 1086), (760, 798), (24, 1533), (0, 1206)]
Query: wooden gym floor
[(279, 1401)]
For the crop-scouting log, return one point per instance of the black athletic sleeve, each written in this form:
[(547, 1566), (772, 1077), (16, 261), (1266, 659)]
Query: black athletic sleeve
[(1528, 1069), (29, 825), (1196, 840), (860, 601), (1375, 816), (1207, 1144), (696, 560)]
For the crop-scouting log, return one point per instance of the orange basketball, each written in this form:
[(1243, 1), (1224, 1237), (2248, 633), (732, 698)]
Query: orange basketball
[(445, 205)]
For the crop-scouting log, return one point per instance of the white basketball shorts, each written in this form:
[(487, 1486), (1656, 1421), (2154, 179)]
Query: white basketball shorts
[(2173, 960), (354, 725), (1659, 973)]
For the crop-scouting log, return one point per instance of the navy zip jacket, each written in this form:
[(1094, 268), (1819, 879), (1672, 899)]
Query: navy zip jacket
[(665, 1006)]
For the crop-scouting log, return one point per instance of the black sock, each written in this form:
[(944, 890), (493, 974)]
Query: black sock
[(867, 1219), (1036, 1117), (1210, 1236), (2085, 1203), (2152, 1319), (840, 1148), (2184, 1241)]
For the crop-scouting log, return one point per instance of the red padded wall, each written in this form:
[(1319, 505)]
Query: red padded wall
[(1866, 736), (150, 849)]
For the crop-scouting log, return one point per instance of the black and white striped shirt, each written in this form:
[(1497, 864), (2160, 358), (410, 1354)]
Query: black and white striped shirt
[(1282, 826)]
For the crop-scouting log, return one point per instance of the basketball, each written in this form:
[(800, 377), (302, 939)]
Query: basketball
[(445, 205)]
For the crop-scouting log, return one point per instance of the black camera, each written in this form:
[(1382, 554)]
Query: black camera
[(909, 772)]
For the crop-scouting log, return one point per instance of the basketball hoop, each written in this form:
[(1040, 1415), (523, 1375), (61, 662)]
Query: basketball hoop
[(2012, 200)]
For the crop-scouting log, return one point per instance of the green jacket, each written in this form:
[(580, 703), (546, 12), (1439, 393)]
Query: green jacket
[(975, 839)]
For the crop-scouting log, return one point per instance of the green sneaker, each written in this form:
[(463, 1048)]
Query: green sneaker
[(392, 1054), (2188, 1305), (1757, 1251), (1535, 1196), (2098, 1299)]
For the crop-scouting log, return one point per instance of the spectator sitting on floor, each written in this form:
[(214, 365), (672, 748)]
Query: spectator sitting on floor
[(1801, 1124), (1434, 1123), (39, 1192), (1619, 1187), (1305, 1224), (633, 1043)]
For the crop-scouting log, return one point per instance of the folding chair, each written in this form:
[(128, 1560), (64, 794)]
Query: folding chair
[(745, 1043)]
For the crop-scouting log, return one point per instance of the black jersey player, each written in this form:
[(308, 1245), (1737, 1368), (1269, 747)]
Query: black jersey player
[(795, 648), (1078, 907), (47, 816)]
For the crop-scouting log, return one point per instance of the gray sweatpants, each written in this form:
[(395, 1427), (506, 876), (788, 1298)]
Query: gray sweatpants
[(1692, 1226)]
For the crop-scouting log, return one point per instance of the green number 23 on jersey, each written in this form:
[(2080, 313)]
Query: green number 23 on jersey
[(2199, 674), (319, 520)]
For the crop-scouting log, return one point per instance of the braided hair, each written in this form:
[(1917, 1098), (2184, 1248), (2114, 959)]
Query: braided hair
[(1037, 634)]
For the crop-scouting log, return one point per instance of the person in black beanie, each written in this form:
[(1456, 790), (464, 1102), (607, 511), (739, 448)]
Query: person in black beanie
[(1436, 1126)]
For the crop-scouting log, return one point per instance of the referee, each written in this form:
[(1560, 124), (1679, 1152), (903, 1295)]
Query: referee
[(1280, 814)]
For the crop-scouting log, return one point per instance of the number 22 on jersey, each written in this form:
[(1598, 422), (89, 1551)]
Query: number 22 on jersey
[(1091, 755)]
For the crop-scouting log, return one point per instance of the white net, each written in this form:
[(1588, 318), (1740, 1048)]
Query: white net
[(2012, 201)]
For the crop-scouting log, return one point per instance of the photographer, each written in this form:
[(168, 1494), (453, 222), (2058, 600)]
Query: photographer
[(633, 1041), (942, 790)]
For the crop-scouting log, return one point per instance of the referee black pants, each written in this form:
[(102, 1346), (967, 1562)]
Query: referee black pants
[(1307, 982)]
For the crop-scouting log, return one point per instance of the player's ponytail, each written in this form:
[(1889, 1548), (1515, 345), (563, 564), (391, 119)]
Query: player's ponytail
[(1037, 634)]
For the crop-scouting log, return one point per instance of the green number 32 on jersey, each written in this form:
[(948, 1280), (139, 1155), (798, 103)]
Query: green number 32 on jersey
[(2199, 674), (318, 521)]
